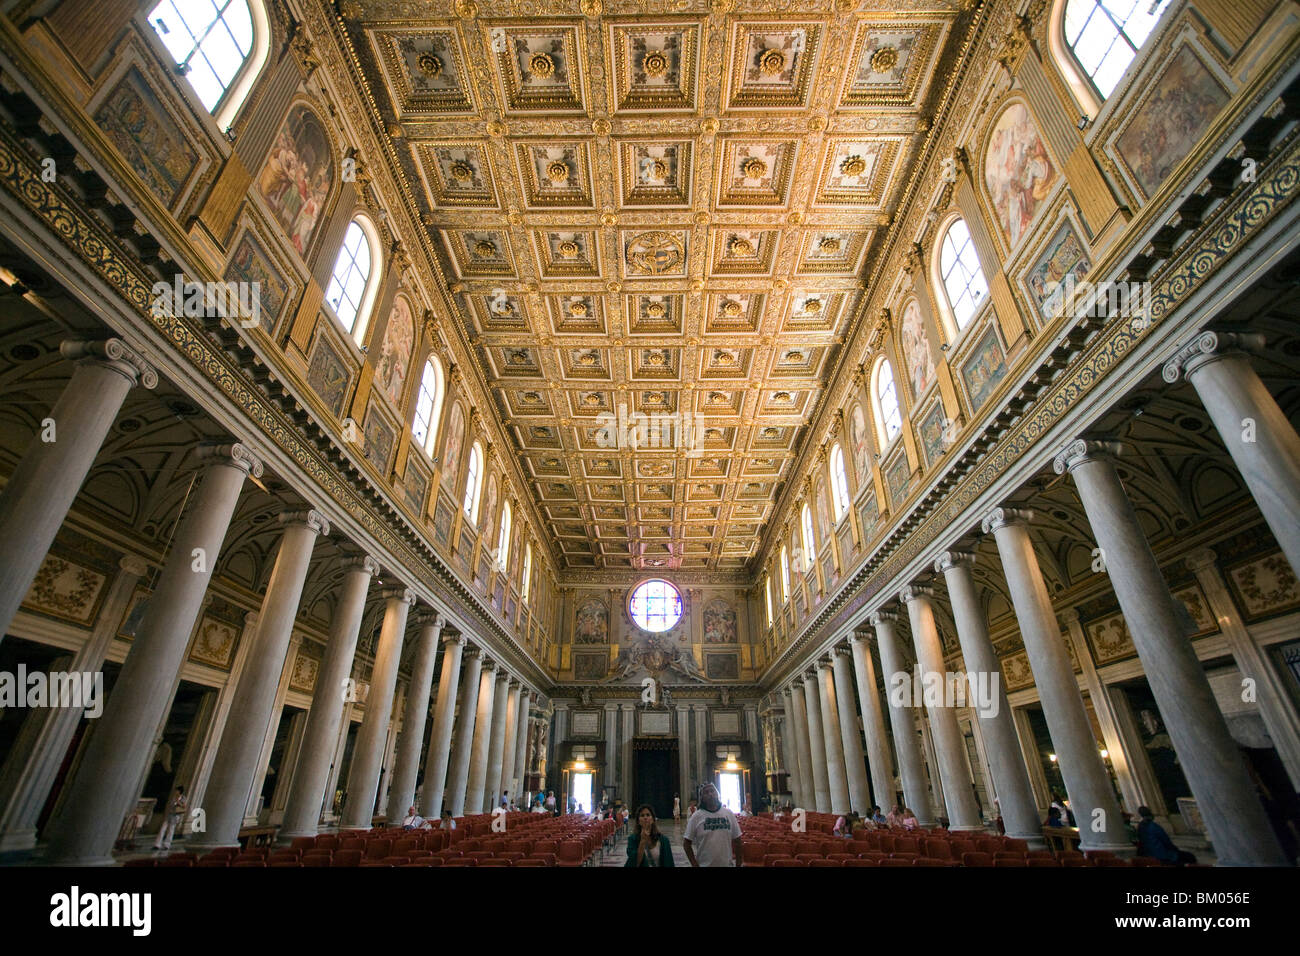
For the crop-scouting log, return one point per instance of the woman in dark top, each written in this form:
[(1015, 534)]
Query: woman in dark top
[(646, 846)]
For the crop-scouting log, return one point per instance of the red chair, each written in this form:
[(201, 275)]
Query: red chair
[(316, 858), (826, 861), (250, 863), (494, 861), (1036, 862), (529, 861), (1071, 861), (510, 857), (222, 853), (352, 843), (346, 858), (927, 861), (906, 845), (327, 841), (937, 849), (1107, 861), (208, 862), (886, 842), (378, 849), (572, 853), (977, 859), (545, 846), (809, 857), (185, 861), (303, 844), (772, 859), (1040, 855), (1145, 861), (790, 861), (861, 862), (895, 861), (461, 861), (547, 859)]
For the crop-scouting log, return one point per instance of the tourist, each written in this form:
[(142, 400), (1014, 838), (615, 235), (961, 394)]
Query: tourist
[(413, 820), (909, 819), (1054, 817), (172, 821), (550, 802), (878, 818), (646, 846), (677, 808), (714, 831), (895, 818), (447, 822), (1154, 842)]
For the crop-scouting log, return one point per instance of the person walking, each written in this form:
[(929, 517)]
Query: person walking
[(714, 831), (677, 808), (172, 821), (646, 846)]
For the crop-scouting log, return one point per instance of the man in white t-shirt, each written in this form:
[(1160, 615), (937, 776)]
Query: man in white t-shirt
[(712, 833)]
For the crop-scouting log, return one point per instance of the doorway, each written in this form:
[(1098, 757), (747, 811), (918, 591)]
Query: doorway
[(582, 792), (654, 779), (729, 790)]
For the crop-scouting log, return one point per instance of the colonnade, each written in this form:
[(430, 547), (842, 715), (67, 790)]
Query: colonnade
[(107, 778), (826, 748)]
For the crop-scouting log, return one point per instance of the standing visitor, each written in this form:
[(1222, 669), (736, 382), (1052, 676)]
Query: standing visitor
[(714, 831), (172, 821), (677, 808), (646, 846)]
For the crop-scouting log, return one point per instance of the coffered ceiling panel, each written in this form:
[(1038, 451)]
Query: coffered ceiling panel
[(655, 227)]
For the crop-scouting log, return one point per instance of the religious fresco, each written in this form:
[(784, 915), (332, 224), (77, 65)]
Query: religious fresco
[(824, 524), (489, 513), (451, 448), (327, 373), (916, 348), (415, 486), (381, 438), (722, 666), (1063, 258), (395, 355), (897, 475), (719, 623), (868, 514), (442, 518), (250, 264), (591, 622), (66, 590), (1171, 120), (1017, 171), (214, 643), (589, 666), (296, 180), (930, 431), (155, 148), (858, 437), (1265, 586), (983, 369)]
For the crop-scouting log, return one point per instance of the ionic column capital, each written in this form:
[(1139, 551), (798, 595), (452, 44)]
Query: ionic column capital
[(824, 664), (1208, 347), (1201, 559), (403, 595), (914, 592), (883, 617), (312, 519), (134, 564), (1068, 616), (453, 638), (114, 354), (864, 637), (505, 677), (1005, 517), (954, 559), (488, 666), (1081, 451), (362, 562), (845, 652), (787, 692), (234, 453)]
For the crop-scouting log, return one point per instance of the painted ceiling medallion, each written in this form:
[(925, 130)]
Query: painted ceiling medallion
[(462, 171), (654, 63), (884, 59), (812, 306), (853, 166), (829, 246), (485, 248), (541, 65), (742, 248), (557, 171), (771, 62), (654, 253), (732, 309), (569, 249), (655, 310), (754, 168)]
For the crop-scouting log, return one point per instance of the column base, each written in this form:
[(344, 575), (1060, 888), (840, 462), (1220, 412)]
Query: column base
[(354, 828), (18, 840), (973, 828), (286, 837), (1127, 850), (192, 846), (1033, 838), (96, 861)]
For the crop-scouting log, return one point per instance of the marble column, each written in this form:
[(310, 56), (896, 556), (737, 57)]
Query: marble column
[(683, 757), (997, 726), (950, 748), (250, 710), (1210, 758), (701, 745), (1256, 432), (439, 755), (833, 738), (40, 491), (628, 719), (506, 781), (38, 752), (307, 793), (821, 779), (106, 780), (372, 738), (483, 730), (1087, 784), (611, 748), (518, 767), (804, 791), (855, 768), (907, 744), (880, 761), (406, 768), (505, 690), (458, 768)]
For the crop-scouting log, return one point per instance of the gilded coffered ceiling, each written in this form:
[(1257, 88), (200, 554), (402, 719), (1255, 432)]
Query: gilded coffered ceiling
[(664, 209)]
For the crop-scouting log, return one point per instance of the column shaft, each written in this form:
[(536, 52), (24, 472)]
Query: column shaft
[(439, 755), (949, 746), (1010, 778), (458, 770), (497, 743), (106, 779), (401, 792), (817, 744), (855, 769), (516, 783), (833, 738), (880, 761), (1090, 792), (478, 765), (907, 744), (805, 791)]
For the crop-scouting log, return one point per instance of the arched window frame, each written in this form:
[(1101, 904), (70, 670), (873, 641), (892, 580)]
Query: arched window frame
[(809, 536), (1087, 94), (428, 397), (785, 575), (840, 481), (370, 292), (236, 92), (503, 539), (947, 313), (474, 482), (885, 439), (527, 581), (767, 597)]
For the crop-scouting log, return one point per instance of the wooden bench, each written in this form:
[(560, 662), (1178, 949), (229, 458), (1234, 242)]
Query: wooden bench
[(1060, 839), (250, 837)]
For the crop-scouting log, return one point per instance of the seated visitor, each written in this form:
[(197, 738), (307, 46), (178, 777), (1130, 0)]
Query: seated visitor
[(895, 818), (1054, 817), (447, 822), (909, 819), (1154, 842), (413, 821)]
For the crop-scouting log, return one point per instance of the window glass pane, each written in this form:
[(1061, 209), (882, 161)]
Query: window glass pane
[(213, 40), (963, 279), (655, 606), (1105, 35)]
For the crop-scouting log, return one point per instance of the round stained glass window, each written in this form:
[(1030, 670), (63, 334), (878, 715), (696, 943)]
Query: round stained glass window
[(655, 605)]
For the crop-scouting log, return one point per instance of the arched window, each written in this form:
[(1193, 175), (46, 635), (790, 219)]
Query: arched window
[(528, 574), (785, 575), (503, 540), (428, 406), (767, 598), (219, 45), (963, 279), (352, 288), (809, 541), (1105, 35), (839, 483), (889, 417), (474, 482)]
